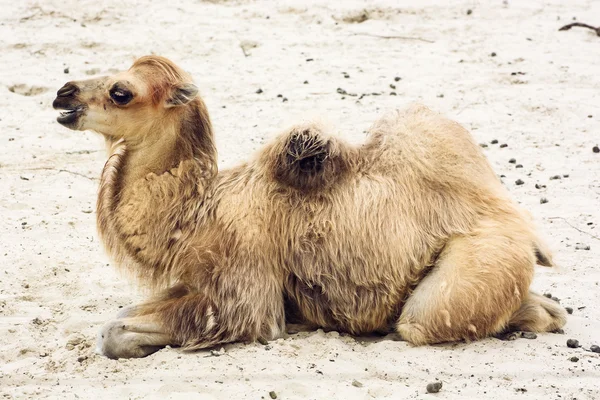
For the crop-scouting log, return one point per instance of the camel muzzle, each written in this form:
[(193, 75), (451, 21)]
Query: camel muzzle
[(66, 101)]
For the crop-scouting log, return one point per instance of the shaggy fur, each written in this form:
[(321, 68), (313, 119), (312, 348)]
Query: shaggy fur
[(412, 231)]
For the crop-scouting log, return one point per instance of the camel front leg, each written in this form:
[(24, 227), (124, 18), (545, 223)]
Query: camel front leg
[(132, 338), (196, 319)]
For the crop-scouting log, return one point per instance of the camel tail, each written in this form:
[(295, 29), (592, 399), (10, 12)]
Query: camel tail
[(543, 255)]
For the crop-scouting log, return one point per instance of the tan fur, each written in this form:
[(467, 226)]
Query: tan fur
[(410, 231)]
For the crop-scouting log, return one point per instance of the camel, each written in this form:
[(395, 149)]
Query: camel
[(410, 233)]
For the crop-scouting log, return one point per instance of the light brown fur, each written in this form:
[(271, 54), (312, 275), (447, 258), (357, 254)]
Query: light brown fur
[(410, 231)]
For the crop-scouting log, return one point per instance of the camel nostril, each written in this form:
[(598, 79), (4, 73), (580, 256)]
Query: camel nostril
[(67, 90)]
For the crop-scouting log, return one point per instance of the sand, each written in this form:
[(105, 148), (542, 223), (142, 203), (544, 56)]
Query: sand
[(503, 70)]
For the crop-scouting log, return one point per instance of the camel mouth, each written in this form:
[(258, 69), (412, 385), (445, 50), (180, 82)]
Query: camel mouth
[(68, 113)]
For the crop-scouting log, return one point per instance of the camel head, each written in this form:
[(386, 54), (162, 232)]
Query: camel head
[(130, 105)]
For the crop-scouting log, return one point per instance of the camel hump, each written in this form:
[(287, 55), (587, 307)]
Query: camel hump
[(310, 160)]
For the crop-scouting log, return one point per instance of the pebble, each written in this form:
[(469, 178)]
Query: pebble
[(483, 144), (569, 310), (503, 145), (434, 387), (554, 177), (519, 166), (306, 82), (493, 54), (494, 141), (573, 343), (272, 394), (580, 246), (596, 149), (559, 331), (529, 335), (469, 12), (595, 348), (574, 359), (262, 341), (396, 79), (259, 91), (543, 200), (538, 186), (357, 384), (512, 160), (519, 182), (66, 70), (556, 299), (548, 295)]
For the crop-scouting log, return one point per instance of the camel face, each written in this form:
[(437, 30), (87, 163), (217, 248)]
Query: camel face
[(124, 105)]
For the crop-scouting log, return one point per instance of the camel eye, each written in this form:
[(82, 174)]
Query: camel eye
[(120, 96)]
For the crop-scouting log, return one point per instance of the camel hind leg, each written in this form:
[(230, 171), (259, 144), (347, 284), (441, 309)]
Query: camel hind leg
[(538, 314), (478, 282)]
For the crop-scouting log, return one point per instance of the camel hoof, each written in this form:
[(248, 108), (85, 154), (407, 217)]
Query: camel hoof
[(115, 341)]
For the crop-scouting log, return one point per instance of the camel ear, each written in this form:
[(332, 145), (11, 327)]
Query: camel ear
[(181, 95)]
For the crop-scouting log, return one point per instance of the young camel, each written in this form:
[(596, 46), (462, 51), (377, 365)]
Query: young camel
[(410, 232)]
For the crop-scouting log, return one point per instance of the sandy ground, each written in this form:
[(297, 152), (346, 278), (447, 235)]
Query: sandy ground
[(504, 71)]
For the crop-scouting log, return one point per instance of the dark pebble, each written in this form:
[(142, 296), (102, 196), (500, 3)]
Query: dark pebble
[(595, 348), (346, 76), (574, 359), (512, 160), (396, 79), (279, 95), (559, 331), (565, 175), (543, 200), (554, 177), (285, 99), (519, 182), (538, 186), (263, 341), (580, 246), (483, 144), (306, 82), (66, 70), (519, 166), (493, 54), (503, 145), (259, 91), (434, 387), (573, 343), (548, 295), (529, 335), (469, 12), (392, 93), (392, 86), (556, 299), (494, 141), (596, 149), (569, 310), (272, 394)]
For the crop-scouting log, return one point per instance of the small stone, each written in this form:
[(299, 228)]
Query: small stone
[(519, 166), (483, 145), (66, 70), (554, 177), (284, 99), (392, 93), (494, 141), (565, 175), (548, 295), (529, 335), (259, 91), (559, 331), (306, 82), (493, 54), (538, 186), (392, 86), (556, 299), (503, 145), (434, 387), (595, 348), (580, 246), (357, 384), (519, 182), (574, 359), (396, 79), (469, 12), (596, 149), (543, 200), (573, 343), (262, 341), (569, 310), (272, 394), (512, 160), (81, 358)]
